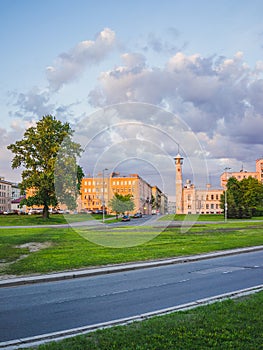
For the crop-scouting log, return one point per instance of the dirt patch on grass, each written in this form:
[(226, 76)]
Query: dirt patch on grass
[(32, 247)]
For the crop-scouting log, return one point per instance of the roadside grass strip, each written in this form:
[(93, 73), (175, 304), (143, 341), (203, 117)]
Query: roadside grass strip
[(229, 324)]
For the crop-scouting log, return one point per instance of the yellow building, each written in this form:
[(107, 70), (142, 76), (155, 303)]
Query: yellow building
[(96, 190), (243, 174)]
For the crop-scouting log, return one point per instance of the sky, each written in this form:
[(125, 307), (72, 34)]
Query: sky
[(138, 81)]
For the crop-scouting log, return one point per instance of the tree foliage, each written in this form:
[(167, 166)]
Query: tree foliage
[(121, 203), (38, 153), (243, 196)]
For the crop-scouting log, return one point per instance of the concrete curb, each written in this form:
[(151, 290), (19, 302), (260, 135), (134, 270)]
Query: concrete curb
[(120, 268), (57, 336)]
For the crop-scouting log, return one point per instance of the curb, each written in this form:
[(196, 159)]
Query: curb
[(58, 336), (52, 277)]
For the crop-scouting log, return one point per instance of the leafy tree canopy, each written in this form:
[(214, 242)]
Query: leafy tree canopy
[(121, 203), (243, 195), (38, 153)]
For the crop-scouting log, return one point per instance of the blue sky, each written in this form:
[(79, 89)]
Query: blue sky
[(199, 60)]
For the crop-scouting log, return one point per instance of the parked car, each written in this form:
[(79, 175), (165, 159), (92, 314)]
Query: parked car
[(125, 218), (137, 215)]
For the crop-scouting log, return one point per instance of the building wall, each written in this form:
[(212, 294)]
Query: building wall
[(240, 175), (259, 169), (5, 195), (243, 174), (92, 190), (201, 201)]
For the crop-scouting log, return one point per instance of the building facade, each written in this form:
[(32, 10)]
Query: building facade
[(190, 200), (243, 174), (159, 201), (5, 195), (201, 201), (98, 190)]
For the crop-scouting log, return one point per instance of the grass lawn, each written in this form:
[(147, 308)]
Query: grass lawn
[(23, 220), (201, 217), (64, 249), (231, 324)]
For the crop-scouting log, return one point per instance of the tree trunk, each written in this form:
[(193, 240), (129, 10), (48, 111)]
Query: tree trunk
[(45, 212)]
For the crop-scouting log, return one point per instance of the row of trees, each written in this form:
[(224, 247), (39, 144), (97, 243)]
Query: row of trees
[(244, 198), (49, 157)]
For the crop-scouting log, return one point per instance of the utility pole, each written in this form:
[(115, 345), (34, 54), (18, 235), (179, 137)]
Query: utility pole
[(103, 195), (226, 193)]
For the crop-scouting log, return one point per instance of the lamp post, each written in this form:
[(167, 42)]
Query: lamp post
[(226, 194), (103, 201)]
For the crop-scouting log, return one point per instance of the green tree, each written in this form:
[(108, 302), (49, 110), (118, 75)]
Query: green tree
[(37, 153), (242, 196), (252, 191), (121, 203)]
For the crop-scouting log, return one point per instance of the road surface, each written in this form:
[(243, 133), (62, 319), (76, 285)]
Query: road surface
[(31, 310)]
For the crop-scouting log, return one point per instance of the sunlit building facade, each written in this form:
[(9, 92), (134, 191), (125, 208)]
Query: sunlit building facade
[(101, 189), (191, 200), (243, 174)]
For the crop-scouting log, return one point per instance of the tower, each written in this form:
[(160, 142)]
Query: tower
[(178, 184)]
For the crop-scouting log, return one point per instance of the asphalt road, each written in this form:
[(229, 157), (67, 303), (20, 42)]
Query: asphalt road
[(30, 310)]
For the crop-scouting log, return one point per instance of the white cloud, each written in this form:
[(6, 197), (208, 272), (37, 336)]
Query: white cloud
[(68, 66), (204, 92)]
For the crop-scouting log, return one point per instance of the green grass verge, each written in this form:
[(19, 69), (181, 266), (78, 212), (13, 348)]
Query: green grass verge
[(69, 250), (201, 217), (54, 219), (231, 324)]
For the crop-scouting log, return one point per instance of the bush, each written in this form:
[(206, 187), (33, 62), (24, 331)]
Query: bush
[(239, 213), (257, 211)]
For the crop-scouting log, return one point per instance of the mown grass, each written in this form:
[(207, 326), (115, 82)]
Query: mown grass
[(231, 324), (54, 219), (201, 217), (69, 250)]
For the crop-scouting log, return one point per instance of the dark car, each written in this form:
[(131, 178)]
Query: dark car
[(125, 218), (137, 215)]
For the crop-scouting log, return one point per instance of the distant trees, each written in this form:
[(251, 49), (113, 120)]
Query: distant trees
[(244, 198), (121, 203), (49, 158)]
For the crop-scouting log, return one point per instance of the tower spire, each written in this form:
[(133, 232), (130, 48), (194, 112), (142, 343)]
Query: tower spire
[(178, 183)]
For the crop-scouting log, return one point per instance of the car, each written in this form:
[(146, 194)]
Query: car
[(137, 215), (125, 218)]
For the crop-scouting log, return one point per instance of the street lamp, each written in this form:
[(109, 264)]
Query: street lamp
[(103, 201), (226, 194)]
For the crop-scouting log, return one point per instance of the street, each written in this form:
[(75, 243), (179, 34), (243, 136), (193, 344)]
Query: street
[(36, 309)]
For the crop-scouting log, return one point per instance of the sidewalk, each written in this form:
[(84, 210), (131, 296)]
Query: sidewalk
[(51, 277)]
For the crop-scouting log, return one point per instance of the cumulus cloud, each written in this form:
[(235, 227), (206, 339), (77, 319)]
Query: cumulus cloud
[(69, 65), (34, 102), (213, 95), (7, 137)]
